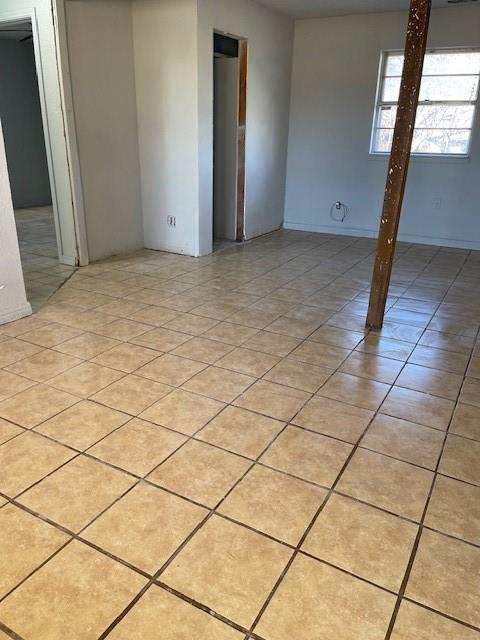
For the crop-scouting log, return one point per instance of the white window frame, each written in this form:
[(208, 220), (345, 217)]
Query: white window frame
[(379, 103)]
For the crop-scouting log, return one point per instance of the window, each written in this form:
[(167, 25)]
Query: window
[(448, 99)]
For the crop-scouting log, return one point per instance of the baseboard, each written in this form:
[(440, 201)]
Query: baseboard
[(20, 312), (368, 233)]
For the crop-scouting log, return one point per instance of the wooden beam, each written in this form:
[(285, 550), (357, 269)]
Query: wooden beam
[(416, 44)]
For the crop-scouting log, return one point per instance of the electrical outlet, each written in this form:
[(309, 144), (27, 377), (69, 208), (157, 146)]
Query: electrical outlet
[(171, 221), (437, 203)]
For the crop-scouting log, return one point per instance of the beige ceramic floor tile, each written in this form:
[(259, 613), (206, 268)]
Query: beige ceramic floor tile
[(194, 325), (77, 493), (272, 343), (126, 357), (200, 472), (26, 542), (299, 375), (438, 383), (28, 458), (86, 379), (19, 327), (362, 540), (461, 459), (130, 528), (454, 509), (419, 623), (132, 394), (242, 432), (228, 568), (51, 335), (183, 411), (8, 430), (471, 392), (334, 418), (317, 601), (360, 392), (78, 586), (337, 337), (274, 503), (123, 329), (203, 350), (161, 339), (158, 608), (137, 447), (44, 365), (14, 350), (233, 334), (156, 316), (418, 407), (83, 425), (400, 332), (10, 384), (320, 354), (366, 365), (35, 405), (389, 484), (440, 359), (466, 421), (87, 345), (219, 384), (445, 577), (386, 348), (171, 370), (252, 363), (307, 455), (405, 441), (274, 400)]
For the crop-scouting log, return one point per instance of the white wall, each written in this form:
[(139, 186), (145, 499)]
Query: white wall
[(173, 43), (67, 219), (335, 70), (21, 115), (100, 46), (270, 40), (13, 300), (165, 45)]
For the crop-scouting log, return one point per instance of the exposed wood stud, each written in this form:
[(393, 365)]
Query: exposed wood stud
[(416, 44)]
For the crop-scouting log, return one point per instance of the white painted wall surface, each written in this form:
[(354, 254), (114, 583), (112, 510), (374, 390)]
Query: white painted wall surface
[(270, 40), (335, 71), (165, 45), (40, 12), (226, 74), (13, 299), (100, 45)]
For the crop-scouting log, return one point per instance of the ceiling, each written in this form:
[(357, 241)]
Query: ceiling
[(15, 31), (327, 8)]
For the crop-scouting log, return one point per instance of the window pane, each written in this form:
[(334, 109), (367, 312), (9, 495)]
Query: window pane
[(394, 66), (391, 89), (387, 117), (445, 116), (383, 140), (454, 141), (449, 88), (452, 62)]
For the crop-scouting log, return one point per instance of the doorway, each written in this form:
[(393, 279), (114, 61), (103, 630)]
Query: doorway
[(28, 170), (229, 134)]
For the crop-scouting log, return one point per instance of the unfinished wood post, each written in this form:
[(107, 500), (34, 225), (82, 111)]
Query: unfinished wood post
[(416, 44)]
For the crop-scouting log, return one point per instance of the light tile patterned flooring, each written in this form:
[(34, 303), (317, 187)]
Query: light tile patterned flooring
[(215, 449), (42, 272)]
